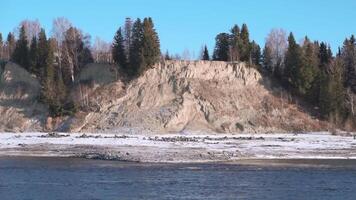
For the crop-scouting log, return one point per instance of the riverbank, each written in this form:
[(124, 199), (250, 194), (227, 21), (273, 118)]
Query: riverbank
[(179, 148)]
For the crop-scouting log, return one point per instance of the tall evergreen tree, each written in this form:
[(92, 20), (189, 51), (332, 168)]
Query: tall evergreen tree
[(348, 55), (10, 45), (267, 59), (34, 57), (205, 53), (245, 48), (293, 63), (221, 51), (308, 71), (118, 50), (1, 47), (150, 44), (235, 43), (21, 52), (332, 92), (255, 54), (136, 52)]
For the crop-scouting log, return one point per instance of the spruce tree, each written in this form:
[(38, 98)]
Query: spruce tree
[(167, 56), (235, 43), (10, 45), (267, 59), (206, 53), (308, 69), (136, 53), (118, 50), (255, 54), (21, 52), (221, 51), (34, 57), (150, 44), (245, 47), (293, 62), (1, 47)]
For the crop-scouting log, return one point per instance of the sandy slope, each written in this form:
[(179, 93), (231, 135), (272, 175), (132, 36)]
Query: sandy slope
[(177, 96), (180, 147), (173, 96)]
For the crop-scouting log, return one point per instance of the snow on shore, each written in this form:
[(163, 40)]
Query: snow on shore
[(179, 147)]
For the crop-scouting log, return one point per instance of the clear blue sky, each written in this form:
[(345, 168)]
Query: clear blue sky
[(191, 23)]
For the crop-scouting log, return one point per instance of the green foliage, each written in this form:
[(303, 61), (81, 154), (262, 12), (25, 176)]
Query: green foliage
[(255, 54), (205, 53), (34, 57), (145, 47), (293, 63), (136, 51), (245, 47), (21, 52), (118, 50), (221, 51)]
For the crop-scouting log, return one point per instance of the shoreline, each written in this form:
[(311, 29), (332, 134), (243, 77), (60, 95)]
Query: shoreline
[(180, 148)]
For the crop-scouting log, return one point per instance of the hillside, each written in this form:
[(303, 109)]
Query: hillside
[(173, 96)]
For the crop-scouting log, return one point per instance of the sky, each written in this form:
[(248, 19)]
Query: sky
[(189, 24)]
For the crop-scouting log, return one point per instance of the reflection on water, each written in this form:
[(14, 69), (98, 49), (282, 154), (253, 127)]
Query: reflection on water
[(65, 178)]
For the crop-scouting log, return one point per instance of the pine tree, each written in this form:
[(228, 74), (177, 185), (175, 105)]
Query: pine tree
[(245, 47), (255, 54), (21, 52), (150, 44), (10, 45), (308, 71), (293, 63), (206, 53), (235, 43), (221, 51), (167, 56), (267, 59), (348, 55), (34, 57), (332, 93), (118, 51), (136, 53), (1, 47)]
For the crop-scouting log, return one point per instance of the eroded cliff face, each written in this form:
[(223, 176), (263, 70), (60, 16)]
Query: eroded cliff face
[(19, 108), (177, 96), (196, 96)]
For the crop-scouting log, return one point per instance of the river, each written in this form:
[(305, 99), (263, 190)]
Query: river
[(76, 179)]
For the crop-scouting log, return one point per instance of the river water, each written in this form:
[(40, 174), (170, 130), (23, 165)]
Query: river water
[(69, 178)]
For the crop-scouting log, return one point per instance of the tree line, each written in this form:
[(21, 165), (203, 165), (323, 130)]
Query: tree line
[(57, 61)]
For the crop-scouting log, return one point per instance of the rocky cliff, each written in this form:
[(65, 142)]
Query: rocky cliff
[(177, 96)]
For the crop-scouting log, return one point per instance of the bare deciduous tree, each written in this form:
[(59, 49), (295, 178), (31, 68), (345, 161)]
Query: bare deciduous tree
[(277, 42), (32, 29), (101, 51)]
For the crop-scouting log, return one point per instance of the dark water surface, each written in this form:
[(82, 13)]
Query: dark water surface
[(66, 178)]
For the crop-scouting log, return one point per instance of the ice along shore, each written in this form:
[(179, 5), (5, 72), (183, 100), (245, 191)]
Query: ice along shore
[(179, 148)]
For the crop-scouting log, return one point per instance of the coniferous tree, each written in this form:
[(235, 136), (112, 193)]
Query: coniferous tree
[(118, 50), (21, 52), (10, 45), (167, 56), (235, 43), (293, 63), (255, 54), (150, 44), (245, 44), (267, 59), (136, 52), (34, 57), (1, 47), (206, 53), (348, 55), (221, 51), (308, 70)]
